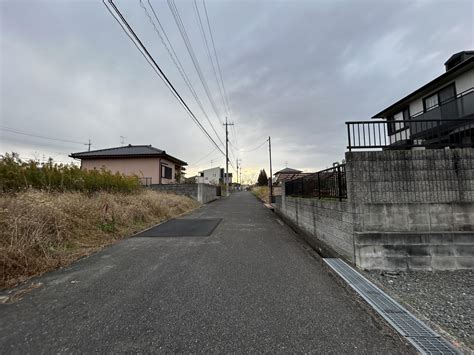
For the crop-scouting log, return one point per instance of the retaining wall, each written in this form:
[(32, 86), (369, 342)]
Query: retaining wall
[(203, 193), (405, 210)]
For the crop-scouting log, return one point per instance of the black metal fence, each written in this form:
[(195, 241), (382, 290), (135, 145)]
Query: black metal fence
[(328, 183), (415, 132)]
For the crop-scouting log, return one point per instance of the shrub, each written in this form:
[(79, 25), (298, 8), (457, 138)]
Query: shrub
[(17, 175)]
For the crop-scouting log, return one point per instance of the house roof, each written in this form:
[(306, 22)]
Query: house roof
[(287, 171), (128, 151), (432, 85)]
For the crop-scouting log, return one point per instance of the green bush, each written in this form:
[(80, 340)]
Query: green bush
[(17, 175)]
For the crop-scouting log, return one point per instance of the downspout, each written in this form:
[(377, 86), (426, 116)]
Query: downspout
[(159, 171)]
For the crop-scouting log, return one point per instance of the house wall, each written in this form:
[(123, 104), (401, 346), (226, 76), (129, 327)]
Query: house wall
[(173, 173), (463, 82), (210, 176), (405, 210), (142, 167)]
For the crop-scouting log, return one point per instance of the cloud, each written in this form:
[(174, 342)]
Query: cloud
[(295, 70)]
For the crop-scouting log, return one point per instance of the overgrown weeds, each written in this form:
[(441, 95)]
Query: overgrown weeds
[(18, 175), (41, 231), (262, 192)]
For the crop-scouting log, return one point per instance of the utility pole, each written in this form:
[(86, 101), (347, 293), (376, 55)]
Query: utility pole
[(89, 144), (271, 175), (237, 167), (122, 140), (227, 154)]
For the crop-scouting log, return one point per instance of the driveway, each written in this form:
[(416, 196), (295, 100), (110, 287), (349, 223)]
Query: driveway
[(251, 286)]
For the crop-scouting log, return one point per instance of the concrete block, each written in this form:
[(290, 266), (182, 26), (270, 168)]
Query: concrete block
[(419, 219), (419, 263), (444, 263), (442, 250), (465, 262), (417, 250), (464, 250), (395, 263)]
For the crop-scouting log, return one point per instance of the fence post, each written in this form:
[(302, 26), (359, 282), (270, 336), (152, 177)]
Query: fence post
[(439, 131), (319, 188), (348, 137), (339, 182)]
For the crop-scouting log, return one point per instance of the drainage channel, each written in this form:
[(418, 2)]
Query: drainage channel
[(415, 331)]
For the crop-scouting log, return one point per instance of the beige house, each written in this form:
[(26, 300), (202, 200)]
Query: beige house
[(152, 165)]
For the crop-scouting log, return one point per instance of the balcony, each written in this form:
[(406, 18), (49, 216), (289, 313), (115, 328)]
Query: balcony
[(448, 112), (450, 124)]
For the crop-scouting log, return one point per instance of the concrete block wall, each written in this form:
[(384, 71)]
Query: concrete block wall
[(411, 176), (406, 209), (203, 193), (331, 222), (414, 251), (416, 217), (206, 193)]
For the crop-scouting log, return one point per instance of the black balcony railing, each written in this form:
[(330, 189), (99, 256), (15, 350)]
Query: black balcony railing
[(328, 183), (460, 106), (448, 124), (455, 133)]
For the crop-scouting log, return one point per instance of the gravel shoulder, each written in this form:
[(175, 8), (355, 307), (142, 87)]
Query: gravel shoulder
[(444, 298)]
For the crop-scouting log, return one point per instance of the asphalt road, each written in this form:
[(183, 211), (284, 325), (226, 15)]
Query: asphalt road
[(249, 287)]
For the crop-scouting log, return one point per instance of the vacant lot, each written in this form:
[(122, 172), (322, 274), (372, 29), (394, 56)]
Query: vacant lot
[(41, 231), (262, 192)]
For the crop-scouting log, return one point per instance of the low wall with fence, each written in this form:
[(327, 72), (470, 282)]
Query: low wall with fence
[(203, 193), (403, 209)]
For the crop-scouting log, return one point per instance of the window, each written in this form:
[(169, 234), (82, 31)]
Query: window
[(166, 172), (447, 93), (397, 126), (442, 96), (431, 102)]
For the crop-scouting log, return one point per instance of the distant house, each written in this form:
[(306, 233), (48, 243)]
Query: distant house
[(286, 175), (213, 176), (152, 165), (444, 101)]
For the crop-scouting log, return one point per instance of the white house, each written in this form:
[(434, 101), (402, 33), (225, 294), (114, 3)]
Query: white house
[(213, 176)]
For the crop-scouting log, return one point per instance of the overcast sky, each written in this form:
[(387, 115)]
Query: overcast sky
[(294, 70)]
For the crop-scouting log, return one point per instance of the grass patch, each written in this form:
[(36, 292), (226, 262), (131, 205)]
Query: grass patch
[(262, 192), (41, 231)]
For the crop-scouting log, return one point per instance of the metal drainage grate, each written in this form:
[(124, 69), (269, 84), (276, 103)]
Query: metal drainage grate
[(415, 331)]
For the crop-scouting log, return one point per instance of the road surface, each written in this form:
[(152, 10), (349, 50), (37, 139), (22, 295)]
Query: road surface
[(249, 287)]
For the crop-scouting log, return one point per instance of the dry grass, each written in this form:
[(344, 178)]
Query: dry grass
[(41, 231), (262, 192)]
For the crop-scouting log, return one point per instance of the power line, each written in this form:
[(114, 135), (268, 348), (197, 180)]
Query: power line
[(253, 149), (151, 61), (225, 98), (204, 38), (12, 130), (217, 58), (174, 57), (204, 157), (189, 47)]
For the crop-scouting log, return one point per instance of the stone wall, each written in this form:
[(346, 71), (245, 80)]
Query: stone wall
[(203, 193), (410, 209), (411, 176)]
